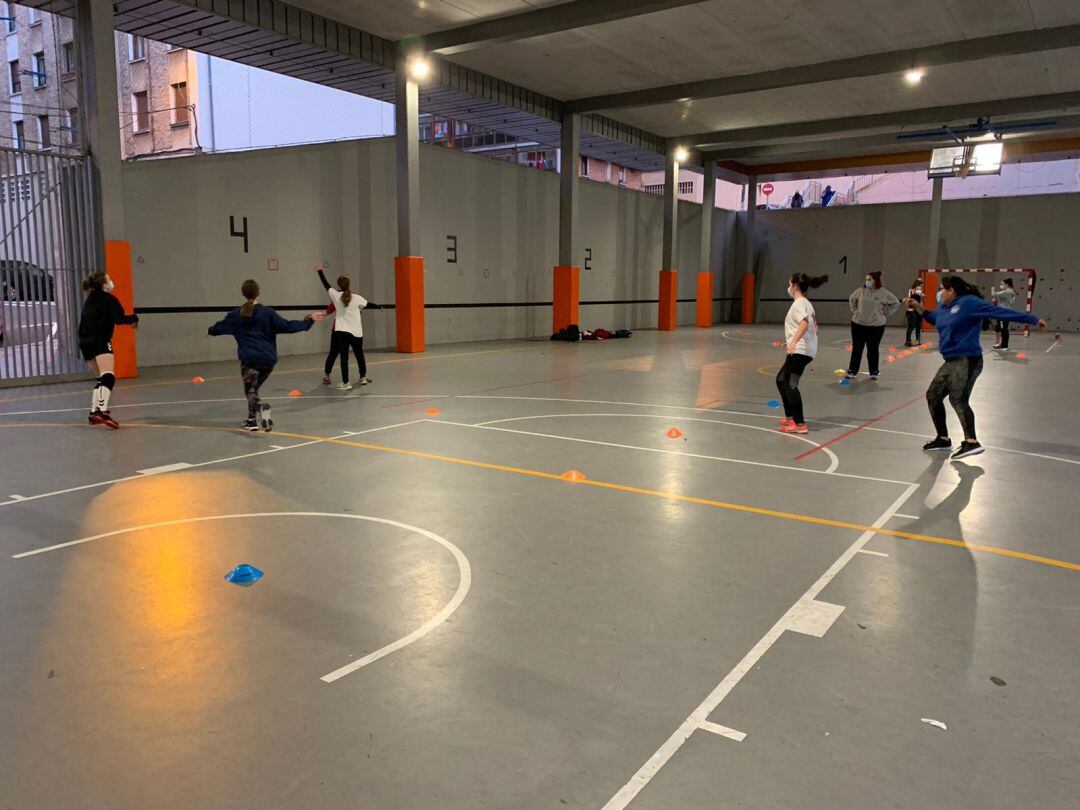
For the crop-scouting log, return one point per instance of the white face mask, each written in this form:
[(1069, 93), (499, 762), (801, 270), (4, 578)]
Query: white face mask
[(109, 285), (868, 284), (791, 292)]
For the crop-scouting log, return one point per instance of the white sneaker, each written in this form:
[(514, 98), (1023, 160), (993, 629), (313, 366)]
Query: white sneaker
[(345, 387), (366, 381)]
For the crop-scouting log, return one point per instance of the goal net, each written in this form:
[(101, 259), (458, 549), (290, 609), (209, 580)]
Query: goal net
[(930, 283)]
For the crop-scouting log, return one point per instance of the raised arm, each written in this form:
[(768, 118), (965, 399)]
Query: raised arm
[(322, 278), (985, 309)]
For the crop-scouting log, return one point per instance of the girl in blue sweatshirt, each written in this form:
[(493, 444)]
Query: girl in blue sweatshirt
[(959, 319), (256, 328)]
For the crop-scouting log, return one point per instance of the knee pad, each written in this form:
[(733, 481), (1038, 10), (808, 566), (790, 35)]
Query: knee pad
[(108, 380)]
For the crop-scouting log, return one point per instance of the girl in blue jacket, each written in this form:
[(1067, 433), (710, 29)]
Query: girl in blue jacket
[(256, 328), (959, 319)]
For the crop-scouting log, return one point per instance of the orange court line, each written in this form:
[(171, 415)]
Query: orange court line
[(670, 496)]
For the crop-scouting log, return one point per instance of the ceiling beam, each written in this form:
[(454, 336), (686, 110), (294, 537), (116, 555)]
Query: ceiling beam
[(539, 21), (791, 150), (927, 116), (877, 64)]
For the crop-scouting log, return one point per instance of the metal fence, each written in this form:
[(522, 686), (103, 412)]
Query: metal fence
[(48, 244)]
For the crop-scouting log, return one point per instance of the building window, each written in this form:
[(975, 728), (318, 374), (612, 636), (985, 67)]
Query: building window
[(584, 166), (35, 16), (73, 126), (180, 110), (16, 77), (622, 175), (67, 60), (9, 18), (40, 76), (140, 108), (136, 48), (44, 136), (20, 135), (686, 187)]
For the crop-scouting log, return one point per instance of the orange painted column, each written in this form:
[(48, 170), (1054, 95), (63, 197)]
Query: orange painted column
[(748, 298), (930, 285), (704, 299), (668, 293), (118, 266), (409, 303), (564, 307)]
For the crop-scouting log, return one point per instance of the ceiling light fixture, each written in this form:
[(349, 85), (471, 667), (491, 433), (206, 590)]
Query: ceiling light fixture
[(681, 155), (419, 68), (915, 75)]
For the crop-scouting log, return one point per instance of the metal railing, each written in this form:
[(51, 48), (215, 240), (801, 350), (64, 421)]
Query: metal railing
[(48, 244)]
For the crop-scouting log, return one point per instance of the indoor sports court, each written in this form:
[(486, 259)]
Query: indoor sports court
[(613, 439)]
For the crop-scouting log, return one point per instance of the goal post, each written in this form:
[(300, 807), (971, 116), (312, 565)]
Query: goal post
[(929, 278)]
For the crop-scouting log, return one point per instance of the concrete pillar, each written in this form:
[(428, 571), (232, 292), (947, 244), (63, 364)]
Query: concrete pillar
[(668, 273), (749, 244), (705, 277), (932, 253), (408, 264), (567, 274), (99, 109)]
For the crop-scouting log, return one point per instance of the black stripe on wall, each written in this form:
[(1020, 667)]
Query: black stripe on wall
[(482, 305)]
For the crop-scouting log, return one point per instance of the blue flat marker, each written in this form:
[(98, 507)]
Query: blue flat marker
[(244, 575)]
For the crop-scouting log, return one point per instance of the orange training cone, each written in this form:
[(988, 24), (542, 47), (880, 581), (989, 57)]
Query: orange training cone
[(776, 343), (573, 475), (892, 348), (295, 393), (1021, 355), (197, 380), (848, 347), (674, 433), (432, 411)]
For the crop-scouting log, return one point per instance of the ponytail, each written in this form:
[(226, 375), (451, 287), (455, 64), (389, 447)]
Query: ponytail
[(346, 294), (94, 282), (959, 287), (250, 290), (805, 282)]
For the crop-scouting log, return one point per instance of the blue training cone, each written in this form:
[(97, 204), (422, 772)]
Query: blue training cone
[(845, 382), (772, 403), (244, 575)]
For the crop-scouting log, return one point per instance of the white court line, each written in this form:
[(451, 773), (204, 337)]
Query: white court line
[(1053, 346), (490, 426), (723, 731), (906, 517), (873, 553), (701, 714), (17, 497), (812, 617), (833, 464), (69, 490), (464, 572), (164, 468), (751, 415)]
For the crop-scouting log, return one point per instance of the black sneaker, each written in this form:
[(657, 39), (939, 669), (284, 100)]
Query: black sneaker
[(938, 444), (250, 424), (967, 449), (266, 420)]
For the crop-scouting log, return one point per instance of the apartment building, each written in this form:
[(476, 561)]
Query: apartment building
[(158, 95)]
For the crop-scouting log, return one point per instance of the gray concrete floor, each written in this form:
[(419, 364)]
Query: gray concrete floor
[(599, 634)]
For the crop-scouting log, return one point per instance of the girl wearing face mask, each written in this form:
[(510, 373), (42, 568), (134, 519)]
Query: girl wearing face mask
[(101, 313), (870, 305), (800, 342), (958, 319), (914, 319)]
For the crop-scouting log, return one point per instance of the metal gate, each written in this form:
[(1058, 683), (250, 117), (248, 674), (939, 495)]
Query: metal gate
[(48, 244)]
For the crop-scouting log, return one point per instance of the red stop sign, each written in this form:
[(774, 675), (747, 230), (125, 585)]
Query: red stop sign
[(767, 189)]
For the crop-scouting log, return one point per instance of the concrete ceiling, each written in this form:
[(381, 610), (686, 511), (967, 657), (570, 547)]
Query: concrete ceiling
[(817, 60)]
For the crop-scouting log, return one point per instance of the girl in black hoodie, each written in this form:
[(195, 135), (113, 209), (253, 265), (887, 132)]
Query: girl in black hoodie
[(101, 313)]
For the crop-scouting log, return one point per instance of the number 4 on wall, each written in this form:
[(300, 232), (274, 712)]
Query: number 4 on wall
[(243, 233)]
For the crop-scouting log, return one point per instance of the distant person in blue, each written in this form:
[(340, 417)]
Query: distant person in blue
[(958, 319), (827, 196), (256, 328)]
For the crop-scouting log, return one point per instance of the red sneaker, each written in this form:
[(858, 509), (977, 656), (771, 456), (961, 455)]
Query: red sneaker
[(107, 420), (791, 427)]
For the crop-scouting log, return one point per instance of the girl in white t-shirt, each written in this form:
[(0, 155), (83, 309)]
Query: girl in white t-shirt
[(800, 343), (348, 329)]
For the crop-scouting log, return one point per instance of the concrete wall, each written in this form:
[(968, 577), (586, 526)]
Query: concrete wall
[(1035, 231), (334, 203)]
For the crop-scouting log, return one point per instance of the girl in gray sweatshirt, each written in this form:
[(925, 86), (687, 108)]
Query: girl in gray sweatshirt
[(870, 305)]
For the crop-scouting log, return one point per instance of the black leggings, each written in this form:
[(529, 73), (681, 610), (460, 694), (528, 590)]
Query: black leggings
[(914, 324), (340, 343), (787, 383), (1003, 334), (954, 380), (254, 377), (870, 338)]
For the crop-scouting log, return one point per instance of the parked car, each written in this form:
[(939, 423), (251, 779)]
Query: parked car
[(22, 281)]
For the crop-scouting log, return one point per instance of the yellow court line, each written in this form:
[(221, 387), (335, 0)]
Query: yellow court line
[(410, 359), (670, 496)]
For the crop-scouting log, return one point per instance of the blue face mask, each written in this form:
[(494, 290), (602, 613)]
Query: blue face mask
[(939, 294)]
